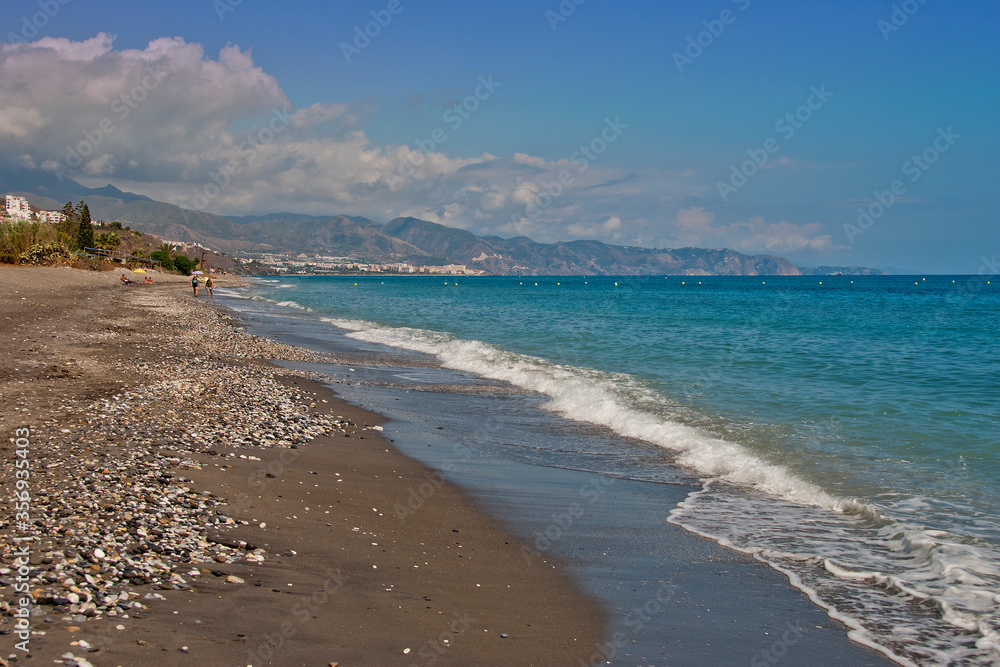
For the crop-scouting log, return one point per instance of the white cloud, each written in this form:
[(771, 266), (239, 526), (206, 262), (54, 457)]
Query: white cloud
[(523, 158), (606, 229), (318, 114), (165, 121), (76, 103), (695, 226)]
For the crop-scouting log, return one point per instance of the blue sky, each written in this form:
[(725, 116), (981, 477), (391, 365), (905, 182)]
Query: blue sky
[(891, 88)]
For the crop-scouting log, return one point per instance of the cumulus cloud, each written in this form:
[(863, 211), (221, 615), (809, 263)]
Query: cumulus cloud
[(216, 132), (605, 229), (696, 226), (148, 115)]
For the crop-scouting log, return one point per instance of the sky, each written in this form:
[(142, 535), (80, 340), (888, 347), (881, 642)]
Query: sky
[(832, 132)]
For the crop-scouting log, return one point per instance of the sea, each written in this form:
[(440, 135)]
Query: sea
[(844, 430)]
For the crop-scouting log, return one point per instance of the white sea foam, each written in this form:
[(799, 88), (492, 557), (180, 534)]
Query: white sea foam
[(292, 304), (283, 304), (920, 596), (594, 397), (287, 303), (845, 554)]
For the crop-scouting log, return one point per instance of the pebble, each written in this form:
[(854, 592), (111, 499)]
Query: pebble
[(113, 513)]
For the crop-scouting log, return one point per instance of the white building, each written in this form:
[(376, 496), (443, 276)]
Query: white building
[(401, 268), (447, 269), (51, 217), (17, 208)]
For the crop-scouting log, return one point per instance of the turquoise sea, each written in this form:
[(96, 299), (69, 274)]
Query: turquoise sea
[(846, 430)]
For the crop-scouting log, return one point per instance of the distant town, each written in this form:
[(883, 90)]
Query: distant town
[(303, 264)]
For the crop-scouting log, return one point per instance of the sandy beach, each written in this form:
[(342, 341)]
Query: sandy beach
[(191, 503)]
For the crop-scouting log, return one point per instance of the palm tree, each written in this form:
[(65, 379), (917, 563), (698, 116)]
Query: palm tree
[(167, 248)]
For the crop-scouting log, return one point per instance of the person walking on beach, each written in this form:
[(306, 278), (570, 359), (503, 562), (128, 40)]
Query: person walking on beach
[(194, 284), (209, 285)]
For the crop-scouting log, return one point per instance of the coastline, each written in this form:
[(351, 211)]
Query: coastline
[(129, 394), (673, 597)]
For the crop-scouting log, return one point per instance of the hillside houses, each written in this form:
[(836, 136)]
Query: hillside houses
[(17, 209)]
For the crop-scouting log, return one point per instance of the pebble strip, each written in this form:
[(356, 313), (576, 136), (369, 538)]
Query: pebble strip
[(114, 516)]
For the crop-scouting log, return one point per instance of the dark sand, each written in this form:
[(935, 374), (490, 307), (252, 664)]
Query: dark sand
[(447, 583)]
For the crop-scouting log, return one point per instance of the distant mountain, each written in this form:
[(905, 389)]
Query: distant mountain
[(522, 255), (167, 221), (400, 240), (339, 236), (840, 271), (447, 245), (299, 217), (112, 192), (41, 183)]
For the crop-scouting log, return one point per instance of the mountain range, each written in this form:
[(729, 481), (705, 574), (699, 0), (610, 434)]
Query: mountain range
[(401, 240)]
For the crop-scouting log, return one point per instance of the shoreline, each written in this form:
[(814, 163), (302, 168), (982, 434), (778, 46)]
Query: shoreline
[(655, 579), (449, 584)]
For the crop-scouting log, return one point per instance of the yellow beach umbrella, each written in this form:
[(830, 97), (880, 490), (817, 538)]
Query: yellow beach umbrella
[(138, 270)]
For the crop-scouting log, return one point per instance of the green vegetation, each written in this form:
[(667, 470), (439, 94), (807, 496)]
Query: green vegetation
[(50, 252), (183, 264), (164, 256), (18, 238), (107, 241), (38, 243), (166, 262), (85, 234), (70, 223)]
